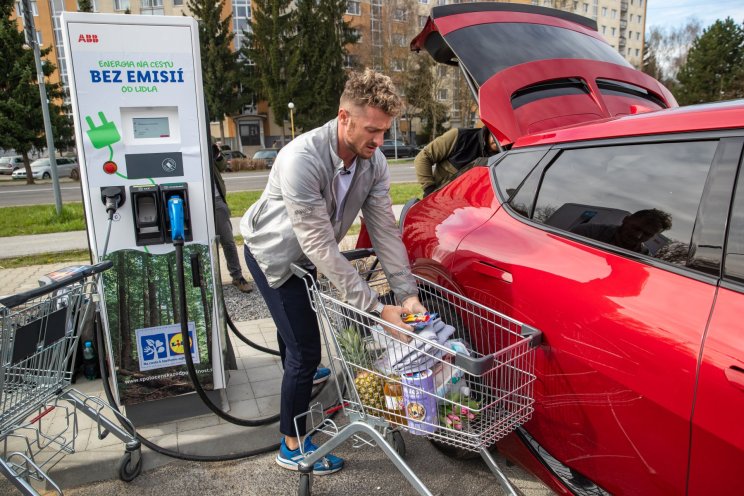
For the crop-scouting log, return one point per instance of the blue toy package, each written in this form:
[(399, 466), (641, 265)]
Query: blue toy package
[(419, 320)]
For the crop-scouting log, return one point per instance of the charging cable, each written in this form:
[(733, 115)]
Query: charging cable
[(113, 198)]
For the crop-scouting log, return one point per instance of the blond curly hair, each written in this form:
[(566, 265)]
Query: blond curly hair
[(373, 89)]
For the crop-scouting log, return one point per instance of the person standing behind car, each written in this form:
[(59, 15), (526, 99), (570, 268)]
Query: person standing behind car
[(318, 184), (454, 152), (222, 224)]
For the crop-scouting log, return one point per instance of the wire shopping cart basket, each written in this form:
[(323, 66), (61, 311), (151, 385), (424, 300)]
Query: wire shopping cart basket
[(464, 379), (39, 333)]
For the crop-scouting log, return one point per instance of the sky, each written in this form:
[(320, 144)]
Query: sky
[(674, 13)]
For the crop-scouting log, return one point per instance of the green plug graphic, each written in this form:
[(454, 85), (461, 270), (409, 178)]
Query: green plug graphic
[(104, 135)]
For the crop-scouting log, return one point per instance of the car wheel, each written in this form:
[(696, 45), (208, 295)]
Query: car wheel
[(74, 174), (46, 175)]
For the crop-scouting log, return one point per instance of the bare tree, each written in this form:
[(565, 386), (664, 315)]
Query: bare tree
[(670, 46)]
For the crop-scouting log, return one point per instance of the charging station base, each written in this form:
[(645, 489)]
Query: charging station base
[(174, 408)]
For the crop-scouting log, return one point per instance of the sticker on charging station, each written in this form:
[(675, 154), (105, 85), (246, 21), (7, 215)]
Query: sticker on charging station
[(162, 346)]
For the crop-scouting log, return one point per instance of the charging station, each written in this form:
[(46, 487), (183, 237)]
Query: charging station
[(140, 128)]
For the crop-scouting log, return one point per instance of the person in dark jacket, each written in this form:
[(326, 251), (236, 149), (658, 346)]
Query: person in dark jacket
[(452, 153), (222, 224)]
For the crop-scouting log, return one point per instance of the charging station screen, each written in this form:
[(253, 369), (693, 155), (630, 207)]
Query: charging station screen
[(151, 127)]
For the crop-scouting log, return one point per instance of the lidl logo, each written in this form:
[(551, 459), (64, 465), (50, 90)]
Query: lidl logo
[(176, 344), (88, 38), (163, 346)]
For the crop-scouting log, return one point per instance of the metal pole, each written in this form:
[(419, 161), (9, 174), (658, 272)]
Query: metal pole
[(28, 23)]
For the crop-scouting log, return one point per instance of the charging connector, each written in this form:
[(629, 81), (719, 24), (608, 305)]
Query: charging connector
[(113, 197)]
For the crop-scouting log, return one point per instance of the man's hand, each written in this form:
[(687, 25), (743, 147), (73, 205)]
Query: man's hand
[(391, 314), (412, 304)]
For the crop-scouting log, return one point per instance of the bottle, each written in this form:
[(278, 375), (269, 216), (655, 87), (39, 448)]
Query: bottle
[(394, 403), (90, 361)]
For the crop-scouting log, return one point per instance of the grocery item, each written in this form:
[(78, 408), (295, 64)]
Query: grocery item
[(421, 404), (369, 386)]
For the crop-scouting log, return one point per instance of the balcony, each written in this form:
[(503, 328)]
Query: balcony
[(623, 6)]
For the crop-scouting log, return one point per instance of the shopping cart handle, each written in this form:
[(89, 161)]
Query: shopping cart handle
[(21, 298), (473, 365), (299, 271), (358, 253)]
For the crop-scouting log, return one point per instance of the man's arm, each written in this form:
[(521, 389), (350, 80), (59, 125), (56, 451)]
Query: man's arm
[(433, 153)]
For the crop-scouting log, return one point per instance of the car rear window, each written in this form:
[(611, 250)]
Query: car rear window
[(510, 44), (265, 154)]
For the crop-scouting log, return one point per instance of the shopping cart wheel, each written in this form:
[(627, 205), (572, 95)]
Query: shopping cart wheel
[(128, 471), (306, 484), (395, 440)]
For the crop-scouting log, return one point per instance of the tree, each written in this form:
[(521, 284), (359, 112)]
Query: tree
[(421, 91), (669, 48), (85, 6), (21, 120), (650, 65), (715, 65), (270, 57), (218, 60), (321, 45)]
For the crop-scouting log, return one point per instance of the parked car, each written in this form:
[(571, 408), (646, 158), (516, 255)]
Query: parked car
[(613, 222), (229, 156), (42, 169), (389, 147), (266, 154), (10, 164)]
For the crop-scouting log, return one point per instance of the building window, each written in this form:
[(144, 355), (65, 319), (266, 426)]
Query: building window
[(34, 9), (604, 11), (604, 29), (241, 18), (124, 4), (639, 18), (442, 94), (250, 134), (426, 2), (177, 2), (398, 65), (585, 7), (442, 71), (638, 52), (152, 7), (638, 35), (548, 3), (613, 14), (630, 34), (613, 31), (399, 40), (575, 5), (353, 7), (93, 5), (400, 15)]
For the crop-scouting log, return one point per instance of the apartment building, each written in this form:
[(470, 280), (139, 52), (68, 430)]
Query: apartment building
[(385, 28)]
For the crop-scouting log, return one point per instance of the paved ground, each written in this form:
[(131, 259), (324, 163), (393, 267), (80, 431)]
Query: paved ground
[(252, 392)]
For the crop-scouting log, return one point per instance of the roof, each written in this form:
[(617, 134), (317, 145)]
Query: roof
[(693, 118)]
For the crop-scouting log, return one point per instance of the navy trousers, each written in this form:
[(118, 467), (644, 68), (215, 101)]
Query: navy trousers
[(299, 343)]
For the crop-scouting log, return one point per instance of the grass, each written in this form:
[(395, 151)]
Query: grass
[(43, 219), (46, 258)]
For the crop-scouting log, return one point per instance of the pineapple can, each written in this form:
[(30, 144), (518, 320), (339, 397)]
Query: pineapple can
[(420, 402)]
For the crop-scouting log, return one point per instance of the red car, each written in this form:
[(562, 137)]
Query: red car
[(613, 221)]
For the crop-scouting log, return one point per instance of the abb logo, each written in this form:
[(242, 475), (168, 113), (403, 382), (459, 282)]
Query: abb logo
[(88, 38)]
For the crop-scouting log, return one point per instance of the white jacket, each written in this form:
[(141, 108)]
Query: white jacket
[(294, 220)]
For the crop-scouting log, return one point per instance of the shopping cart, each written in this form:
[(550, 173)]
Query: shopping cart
[(39, 333), (463, 387)]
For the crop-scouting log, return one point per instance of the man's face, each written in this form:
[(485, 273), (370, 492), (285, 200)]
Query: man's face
[(362, 129), (635, 231), (492, 145)]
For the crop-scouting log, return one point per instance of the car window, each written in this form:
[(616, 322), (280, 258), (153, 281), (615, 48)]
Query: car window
[(643, 198), (265, 154), (734, 263), (511, 170)]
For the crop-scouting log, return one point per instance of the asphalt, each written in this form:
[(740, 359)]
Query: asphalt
[(251, 393)]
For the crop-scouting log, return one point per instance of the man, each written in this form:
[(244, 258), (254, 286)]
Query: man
[(222, 224), (454, 152), (317, 186)]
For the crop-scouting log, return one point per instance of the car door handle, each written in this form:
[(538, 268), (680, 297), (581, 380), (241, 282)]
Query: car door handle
[(735, 376), (489, 270)]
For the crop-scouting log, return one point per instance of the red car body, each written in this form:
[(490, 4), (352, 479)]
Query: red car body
[(640, 374)]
